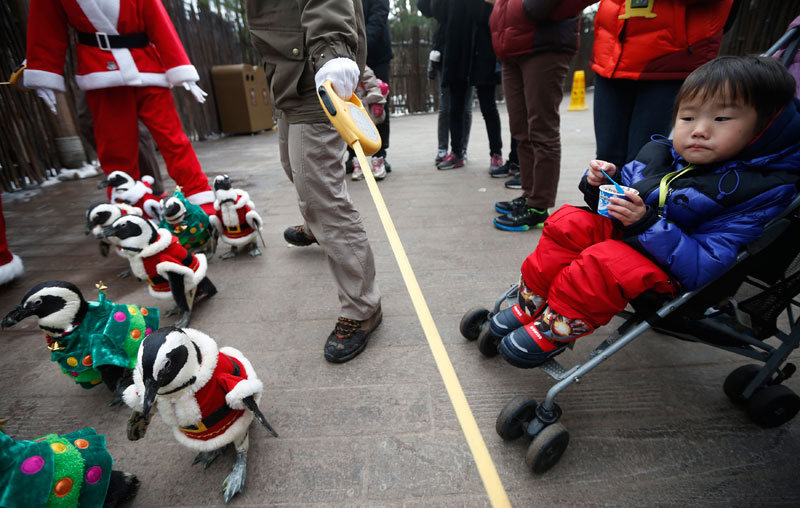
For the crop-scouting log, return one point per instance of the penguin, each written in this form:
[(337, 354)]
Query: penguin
[(92, 342), (207, 395), (157, 257), (100, 215), (236, 220), (124, 189), (57, 471), (189, 223)]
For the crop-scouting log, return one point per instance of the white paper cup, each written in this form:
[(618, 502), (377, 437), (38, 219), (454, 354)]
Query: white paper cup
[(607, 192)]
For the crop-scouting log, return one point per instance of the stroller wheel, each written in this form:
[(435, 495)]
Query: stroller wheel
[(487, 343), (737, 381), (772, 406), (514, 417), (547, 448), (472, 322)]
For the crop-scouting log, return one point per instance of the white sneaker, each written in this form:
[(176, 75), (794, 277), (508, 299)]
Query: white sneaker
[(378, 168), (357, 173)]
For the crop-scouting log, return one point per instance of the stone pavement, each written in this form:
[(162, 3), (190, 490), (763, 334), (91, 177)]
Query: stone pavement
[(650, 427)]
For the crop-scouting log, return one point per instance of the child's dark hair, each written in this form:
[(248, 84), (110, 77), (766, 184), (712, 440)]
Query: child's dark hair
[(756, 81)]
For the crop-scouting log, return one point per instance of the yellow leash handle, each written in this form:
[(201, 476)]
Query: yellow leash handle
[(344, 115)]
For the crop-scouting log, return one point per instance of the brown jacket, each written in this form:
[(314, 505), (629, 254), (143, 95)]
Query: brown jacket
[(296, 38)]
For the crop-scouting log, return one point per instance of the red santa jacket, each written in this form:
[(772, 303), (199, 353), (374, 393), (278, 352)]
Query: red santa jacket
[(140, 196), (166, 255), (161, 63), (235, 230), (680, 37)]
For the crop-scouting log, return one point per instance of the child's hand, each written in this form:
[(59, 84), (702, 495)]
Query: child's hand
[(627, 211), (377, 110), (595, 177)]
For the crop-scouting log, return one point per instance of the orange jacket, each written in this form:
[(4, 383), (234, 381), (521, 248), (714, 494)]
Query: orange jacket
[(683, 35)]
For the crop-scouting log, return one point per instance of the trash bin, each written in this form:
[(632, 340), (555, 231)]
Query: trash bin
[(242, 98)]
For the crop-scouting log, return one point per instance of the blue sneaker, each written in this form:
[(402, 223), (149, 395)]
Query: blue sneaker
[(506, 207), (521, 219), (508, 320), (533, 344)]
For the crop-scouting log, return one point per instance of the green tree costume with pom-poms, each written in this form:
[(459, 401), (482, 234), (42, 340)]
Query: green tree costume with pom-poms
[(110, 334), (66, 471), (193, 230)]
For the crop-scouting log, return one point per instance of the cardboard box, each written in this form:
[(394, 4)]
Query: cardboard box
[(242, 98)]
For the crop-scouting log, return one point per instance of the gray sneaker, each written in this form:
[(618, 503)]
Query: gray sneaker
[(514, 183)]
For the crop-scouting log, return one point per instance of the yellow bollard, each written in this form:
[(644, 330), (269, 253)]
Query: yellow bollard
[(577, 101)]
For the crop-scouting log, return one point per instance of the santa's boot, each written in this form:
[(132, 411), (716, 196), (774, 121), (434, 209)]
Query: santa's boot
[(533, 344), (10, 264)]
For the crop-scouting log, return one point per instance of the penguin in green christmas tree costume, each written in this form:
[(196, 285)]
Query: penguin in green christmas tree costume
[(69, 471), (188, 223), (92, 342)]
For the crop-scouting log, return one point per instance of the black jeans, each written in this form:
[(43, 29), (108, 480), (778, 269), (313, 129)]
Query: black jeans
[(628, 112), (383, 72), (491, 117)]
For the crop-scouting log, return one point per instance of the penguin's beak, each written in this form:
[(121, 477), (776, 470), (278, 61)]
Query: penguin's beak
[(150, 392), (102, 184), (14, 317), (107, 231)]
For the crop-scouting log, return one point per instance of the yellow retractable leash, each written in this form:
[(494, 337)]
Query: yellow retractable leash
[(355, 126)]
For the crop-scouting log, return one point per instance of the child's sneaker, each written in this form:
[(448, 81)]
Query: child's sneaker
[(440, 155), (521, 219), (452, 161), (533, 344), (495, 163), (508, 320), (506, 207), (378, 168), (357, 173)]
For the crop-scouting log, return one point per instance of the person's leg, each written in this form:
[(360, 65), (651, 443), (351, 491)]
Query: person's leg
[(486, 98), (443, 121), (651, 113), (113, 111), (543, 78), (514, 90), (157, 111), (148, 160), (315, 155), (613, 107), (512, 155), (383, 72), (301, 235), (467, 117), (457, 110), (11, 266)]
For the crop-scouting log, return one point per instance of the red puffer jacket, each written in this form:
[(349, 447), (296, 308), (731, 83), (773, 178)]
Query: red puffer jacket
[(520, 27), (683, 35)]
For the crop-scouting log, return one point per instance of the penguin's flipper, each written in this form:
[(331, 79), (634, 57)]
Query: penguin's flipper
[(137, 425), (250, 404)]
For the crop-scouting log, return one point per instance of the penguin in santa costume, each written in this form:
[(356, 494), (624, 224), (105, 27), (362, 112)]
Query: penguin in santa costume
[(189, 223), (235, 219), (92, 342), (157, 257), (10, 264), (208, 396), (137, 194), (100, 215), (128, 56)]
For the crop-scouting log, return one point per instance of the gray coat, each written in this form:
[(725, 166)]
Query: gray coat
[(296, 38)]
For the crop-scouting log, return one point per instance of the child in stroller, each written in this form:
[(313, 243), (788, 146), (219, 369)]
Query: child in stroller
[(733, 165)]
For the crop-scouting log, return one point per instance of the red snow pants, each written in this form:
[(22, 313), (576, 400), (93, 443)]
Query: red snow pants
[(584, 271), (115, 111)]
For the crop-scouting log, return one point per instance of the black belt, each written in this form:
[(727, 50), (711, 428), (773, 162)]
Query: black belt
[(107, 42), (221, 412)]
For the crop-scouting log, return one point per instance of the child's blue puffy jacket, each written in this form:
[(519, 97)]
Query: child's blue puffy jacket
[(713, 211)]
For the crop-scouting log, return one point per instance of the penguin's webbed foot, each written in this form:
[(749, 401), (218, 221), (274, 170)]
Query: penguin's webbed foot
[(125, 273), (206, 458), (183, 322), (173, 311), (254, 250), (234, 482), (230, 254), (116, 401)]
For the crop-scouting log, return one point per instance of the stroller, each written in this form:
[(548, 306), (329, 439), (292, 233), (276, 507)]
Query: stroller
[(755, 301)]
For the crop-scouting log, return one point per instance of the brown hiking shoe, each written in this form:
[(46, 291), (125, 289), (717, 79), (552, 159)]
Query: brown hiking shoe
[(297, 235), (349, 338)]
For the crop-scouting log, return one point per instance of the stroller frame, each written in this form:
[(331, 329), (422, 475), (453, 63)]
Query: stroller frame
[(540, 422)]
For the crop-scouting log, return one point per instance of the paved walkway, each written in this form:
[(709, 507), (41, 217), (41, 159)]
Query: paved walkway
[(651, 427)]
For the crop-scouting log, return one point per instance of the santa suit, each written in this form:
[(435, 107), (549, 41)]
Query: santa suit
[(10, 264), (209, 413), (139, 196), (165, 256), (233, 220), (121, 83)]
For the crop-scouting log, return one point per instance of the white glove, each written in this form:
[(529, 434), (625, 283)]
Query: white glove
[(49, 98), (435, 56), (199, 94), (343, 74)]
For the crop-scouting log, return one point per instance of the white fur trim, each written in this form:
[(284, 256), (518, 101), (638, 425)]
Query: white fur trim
[(231, 435), (238, 242), (215, 222), (148, 179), (153, 209), (181, 73), (132, 195), (208, 352), (134, 398), (108, 79), (250, 386), (129, 209), (230, 217), (12, 270), (163, 241), (254, 219), (201, 198), (98, 17), (190, 277), (32, 78), (243, 199)]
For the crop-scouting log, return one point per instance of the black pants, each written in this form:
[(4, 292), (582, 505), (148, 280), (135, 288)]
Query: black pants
[(491, 117), (383, 72)]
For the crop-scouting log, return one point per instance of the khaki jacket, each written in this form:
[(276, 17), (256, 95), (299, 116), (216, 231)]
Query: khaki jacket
[(296, 38)]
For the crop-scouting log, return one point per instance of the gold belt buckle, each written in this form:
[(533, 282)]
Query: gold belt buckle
[(200, 427), (234, 229)]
